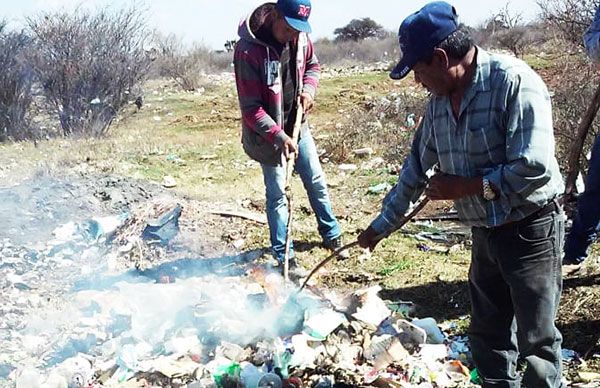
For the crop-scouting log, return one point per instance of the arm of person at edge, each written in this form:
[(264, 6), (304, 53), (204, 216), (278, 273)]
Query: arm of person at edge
[(255, 116), (591, 38)]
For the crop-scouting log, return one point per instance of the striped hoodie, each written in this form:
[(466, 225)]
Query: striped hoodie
[(259, 86)]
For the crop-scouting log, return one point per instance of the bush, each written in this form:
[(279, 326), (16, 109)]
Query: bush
[(351, 52), (89, 64), (15, 85), (518, 40), (188, 67), (386, 123), (570, 18), (505, 30)]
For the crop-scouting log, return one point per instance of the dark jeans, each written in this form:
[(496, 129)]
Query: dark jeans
[(586, 223), (515, 284)]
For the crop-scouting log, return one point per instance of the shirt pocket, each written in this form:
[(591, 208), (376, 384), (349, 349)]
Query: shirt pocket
[(485, 147)]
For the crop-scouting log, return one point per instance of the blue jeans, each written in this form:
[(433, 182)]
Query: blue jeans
[(586, 223), (515, 284), (310, 171)]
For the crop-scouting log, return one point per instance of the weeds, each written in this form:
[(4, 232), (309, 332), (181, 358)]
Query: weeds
[(397, 266), (387, 124)]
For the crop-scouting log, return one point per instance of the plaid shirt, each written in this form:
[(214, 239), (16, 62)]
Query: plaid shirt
[(503, 133)]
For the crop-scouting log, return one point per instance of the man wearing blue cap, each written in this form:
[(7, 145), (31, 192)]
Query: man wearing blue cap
[(275, 64), (488, 128)]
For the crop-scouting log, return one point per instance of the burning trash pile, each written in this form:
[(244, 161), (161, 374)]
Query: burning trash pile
[(249, 332), (70, 318)]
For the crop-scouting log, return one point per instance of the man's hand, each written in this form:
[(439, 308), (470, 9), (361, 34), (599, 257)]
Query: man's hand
[(368, 238), (307, 102), (446, 186), (289, 148)]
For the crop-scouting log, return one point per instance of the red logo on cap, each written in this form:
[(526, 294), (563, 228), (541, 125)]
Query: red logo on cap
[(304, 11)]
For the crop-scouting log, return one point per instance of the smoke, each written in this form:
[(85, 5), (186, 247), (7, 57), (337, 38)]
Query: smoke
[(63, 301)]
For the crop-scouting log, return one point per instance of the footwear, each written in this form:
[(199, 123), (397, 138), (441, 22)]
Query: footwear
[(334, 245)]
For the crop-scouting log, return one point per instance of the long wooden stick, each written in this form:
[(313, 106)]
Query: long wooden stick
[(420, 205), (573, 161), (290, 163)]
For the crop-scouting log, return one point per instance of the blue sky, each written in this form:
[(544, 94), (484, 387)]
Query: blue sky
[(213, 22)]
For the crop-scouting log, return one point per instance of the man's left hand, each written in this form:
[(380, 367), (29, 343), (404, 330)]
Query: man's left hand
[(307, 102), (446, 186)]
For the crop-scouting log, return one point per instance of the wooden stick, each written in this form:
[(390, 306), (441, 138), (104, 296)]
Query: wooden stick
[(573, 161), (261, 219), (420, 205), (290, 162)]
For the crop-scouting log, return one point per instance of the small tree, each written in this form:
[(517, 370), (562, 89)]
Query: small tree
[(188, 66), (359, 29), (506, 30), (15, 85), (88, 64)]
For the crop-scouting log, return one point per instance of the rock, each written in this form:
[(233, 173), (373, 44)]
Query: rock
[(347, 167), (367, 151), (169, 182)]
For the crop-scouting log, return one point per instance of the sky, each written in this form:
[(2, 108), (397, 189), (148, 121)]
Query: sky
[(214, 22)]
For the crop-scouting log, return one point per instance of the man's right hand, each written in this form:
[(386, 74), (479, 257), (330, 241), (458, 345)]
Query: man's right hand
[(369, 238), (289, 148)]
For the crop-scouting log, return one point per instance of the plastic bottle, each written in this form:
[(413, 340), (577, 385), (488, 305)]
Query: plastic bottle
[(434, 334), (252, 377)]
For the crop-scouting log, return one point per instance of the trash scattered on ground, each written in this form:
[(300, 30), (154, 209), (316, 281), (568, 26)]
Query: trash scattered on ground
[(569, 355), (380, 188)]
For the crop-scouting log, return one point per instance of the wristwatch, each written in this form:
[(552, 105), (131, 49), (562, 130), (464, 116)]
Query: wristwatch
[(488, 193)]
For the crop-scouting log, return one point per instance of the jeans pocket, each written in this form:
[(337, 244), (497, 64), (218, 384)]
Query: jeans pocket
[(537, 230)]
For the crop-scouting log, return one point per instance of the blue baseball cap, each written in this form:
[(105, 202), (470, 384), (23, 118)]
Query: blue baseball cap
[(296, 13), (420, 32)]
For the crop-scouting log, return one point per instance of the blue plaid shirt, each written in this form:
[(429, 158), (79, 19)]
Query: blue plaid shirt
[(503, 133)]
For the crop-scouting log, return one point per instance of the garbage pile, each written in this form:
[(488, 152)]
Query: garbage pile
[(70, 318), (248, 331)]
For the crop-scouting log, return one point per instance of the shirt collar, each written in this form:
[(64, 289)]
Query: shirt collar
[(481, 82)]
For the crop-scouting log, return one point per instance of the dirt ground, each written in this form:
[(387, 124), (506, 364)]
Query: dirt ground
[(434, 280), (426, 264)]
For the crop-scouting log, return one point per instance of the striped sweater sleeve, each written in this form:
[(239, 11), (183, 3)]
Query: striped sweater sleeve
[(251, 88)]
